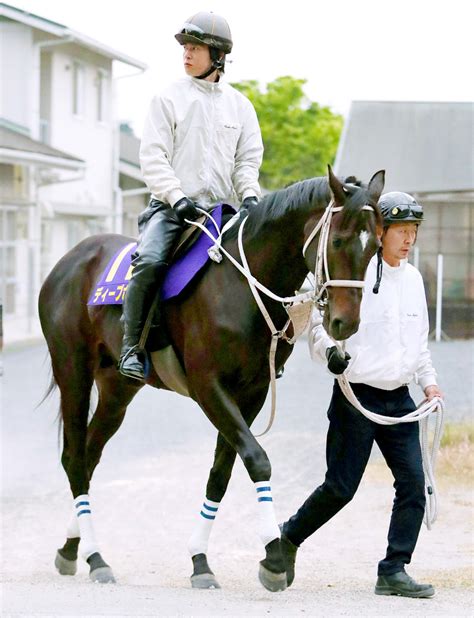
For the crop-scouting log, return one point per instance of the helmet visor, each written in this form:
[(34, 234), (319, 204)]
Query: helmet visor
[(405, 211)]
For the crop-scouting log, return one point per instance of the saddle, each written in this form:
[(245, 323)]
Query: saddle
[(189, 258)]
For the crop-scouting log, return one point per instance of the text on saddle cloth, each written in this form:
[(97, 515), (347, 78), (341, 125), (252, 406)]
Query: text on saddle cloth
[(112, 285)]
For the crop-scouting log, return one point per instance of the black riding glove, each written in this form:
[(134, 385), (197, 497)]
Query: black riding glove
[(249, 202), (337, 363), (186, 209)]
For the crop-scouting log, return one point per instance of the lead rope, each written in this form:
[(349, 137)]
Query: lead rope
[(428, 453)]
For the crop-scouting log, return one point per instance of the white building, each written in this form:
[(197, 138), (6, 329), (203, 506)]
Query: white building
[(60, 165)]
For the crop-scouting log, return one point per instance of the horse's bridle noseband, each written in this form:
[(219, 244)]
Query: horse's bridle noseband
[(321, 269)]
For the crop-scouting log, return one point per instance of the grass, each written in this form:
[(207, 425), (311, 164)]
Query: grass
[(456, 455)]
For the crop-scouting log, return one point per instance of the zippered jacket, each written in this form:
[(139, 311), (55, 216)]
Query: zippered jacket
[(201, 140), (390, 349)]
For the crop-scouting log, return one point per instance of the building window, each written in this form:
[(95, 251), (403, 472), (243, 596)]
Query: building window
[(101, 85), (78, 84)]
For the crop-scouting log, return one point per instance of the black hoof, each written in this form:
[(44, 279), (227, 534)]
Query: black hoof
[(288, 551), (204, 581), (203, 578), (66, 557), (100, 572), (65, 566), (274, 582), (272, 573)]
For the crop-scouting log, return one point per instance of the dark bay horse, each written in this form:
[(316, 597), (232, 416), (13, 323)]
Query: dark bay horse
[(220, 339)]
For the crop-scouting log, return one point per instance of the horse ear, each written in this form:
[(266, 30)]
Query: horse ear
[(376, 185), (337, 188)]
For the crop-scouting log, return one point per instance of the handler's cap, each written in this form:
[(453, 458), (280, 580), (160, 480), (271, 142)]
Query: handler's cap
[(398, 207), (206, 28)]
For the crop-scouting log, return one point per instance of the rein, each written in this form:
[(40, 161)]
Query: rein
[(292, 304)]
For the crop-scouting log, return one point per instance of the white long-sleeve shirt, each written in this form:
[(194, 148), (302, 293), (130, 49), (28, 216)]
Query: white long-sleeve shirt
[(201, 140), (390, 348)]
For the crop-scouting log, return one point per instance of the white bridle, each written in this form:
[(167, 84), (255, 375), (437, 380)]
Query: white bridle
[(321, 269), (317, 296)]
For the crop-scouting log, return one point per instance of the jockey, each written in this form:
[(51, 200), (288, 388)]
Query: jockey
[(201, 145), (389, 351)]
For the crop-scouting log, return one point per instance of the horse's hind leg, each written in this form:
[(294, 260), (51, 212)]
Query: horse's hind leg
[(73, 370), (115, 393)]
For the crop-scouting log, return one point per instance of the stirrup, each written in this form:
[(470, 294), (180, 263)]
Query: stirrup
[(137, 369)]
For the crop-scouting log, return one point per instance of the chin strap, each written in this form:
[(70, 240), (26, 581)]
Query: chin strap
[(375, 289), (217, 64)]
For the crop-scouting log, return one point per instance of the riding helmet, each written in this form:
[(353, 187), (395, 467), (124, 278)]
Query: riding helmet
[(399, 207), (206, 28)]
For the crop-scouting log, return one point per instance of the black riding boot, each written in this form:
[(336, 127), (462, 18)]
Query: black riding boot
[(142, 289)]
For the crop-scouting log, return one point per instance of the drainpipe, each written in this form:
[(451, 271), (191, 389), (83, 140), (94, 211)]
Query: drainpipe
[(118, 194)]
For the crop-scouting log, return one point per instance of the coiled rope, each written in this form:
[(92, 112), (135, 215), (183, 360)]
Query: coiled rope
[(429, 452)]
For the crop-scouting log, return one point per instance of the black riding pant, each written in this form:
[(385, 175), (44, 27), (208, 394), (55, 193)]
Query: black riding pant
[(160, 230), (349, 443)]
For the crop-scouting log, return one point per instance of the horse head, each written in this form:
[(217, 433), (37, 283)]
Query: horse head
[(350, 239)]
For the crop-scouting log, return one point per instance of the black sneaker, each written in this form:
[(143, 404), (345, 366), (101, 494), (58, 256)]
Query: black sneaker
[(402, 585), (288, 550)]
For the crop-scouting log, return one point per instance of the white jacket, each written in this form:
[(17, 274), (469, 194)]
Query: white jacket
[(201, 140), (390, 348)]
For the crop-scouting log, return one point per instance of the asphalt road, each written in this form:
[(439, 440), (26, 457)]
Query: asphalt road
[(159, 421), (148, 488)]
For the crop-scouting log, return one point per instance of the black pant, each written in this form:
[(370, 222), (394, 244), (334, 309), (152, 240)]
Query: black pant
[(349, 442), (160, 230)]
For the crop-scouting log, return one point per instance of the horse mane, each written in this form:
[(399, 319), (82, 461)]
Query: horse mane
[(273, 206)]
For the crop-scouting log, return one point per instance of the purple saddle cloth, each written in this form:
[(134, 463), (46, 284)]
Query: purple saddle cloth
[(112, 285)]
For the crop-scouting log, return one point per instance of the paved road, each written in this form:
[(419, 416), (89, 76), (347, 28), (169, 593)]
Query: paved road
[(158, 421), (148, 489)]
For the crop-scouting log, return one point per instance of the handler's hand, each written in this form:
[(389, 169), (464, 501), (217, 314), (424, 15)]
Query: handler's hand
[(336, 362), (432, 391)]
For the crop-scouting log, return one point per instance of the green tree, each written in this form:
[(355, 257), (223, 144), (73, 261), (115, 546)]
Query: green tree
[(300, 136)]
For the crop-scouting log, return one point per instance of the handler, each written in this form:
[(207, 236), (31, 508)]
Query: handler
[(389, 350), (201, 145)]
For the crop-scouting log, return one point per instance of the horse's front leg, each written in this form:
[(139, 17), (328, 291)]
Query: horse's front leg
[(224, 413)]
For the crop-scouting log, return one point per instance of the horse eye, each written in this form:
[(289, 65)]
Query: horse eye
[(337, 243)]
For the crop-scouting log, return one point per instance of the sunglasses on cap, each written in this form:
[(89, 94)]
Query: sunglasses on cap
[(406, 210)]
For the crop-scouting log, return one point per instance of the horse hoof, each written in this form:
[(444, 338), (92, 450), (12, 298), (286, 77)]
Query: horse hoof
[(204, 581), (102, 575), (64, 566), (275, 582)]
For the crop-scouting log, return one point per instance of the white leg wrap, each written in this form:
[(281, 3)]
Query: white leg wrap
[(86, 529), (199, 540), (267, 526), (73, 526)]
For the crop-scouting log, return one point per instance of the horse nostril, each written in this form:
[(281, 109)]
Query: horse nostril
[(336, 327)]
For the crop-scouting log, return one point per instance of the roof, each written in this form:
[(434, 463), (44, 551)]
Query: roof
[(16, 147), (63, 32), (423, 146)]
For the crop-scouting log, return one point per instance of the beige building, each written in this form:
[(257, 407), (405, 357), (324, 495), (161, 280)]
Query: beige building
[(426, 149)]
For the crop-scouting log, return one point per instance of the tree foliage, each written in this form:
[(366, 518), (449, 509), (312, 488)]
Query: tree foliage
[(300, 136)]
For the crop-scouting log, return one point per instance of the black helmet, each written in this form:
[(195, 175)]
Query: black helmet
[(398, 207), (208, 29)]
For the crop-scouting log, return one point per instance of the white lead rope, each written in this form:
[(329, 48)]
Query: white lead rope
[(429, 453)]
